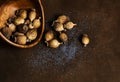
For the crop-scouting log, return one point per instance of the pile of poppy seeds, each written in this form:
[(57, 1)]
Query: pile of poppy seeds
[(61, 25), (22, 27)]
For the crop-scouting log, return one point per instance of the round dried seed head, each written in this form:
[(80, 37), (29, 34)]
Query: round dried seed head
[(22, 28), (19, 20), (6, 32), (21, 39), (49, 36), (36, 23), (59, 27), (63, 37), (69, 25), (12, 27), (22, 13), (32, 34), (85, 40), (62, 19), (18, 34), (32, 15), (54, 43), (31, 26)]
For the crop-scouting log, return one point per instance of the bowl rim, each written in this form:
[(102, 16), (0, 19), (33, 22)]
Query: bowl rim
[(37, 41)]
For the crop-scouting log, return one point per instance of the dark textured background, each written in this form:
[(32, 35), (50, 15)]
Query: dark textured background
[(98, 62)]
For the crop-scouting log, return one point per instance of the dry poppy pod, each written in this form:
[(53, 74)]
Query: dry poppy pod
[(54, 43), (36, 23), (63, 37), (69, 25), (85, 40), (19, 20), (21, 39), (30, 26), (22, 13), (49, 36), (18, 33), (31, 34), (32, 14), (62, 19), (12, 27), (7, 32), (22, 28), (59, 27)]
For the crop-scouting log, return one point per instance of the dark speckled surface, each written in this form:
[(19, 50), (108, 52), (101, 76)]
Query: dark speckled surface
[(98, 62)]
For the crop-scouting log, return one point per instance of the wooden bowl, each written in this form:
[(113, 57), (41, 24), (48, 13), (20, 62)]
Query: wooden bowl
[(8, 8)]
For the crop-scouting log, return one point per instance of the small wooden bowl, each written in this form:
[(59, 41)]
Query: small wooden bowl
[(8, 8)]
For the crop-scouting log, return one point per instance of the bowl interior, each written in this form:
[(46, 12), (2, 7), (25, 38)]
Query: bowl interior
[(8, 8)]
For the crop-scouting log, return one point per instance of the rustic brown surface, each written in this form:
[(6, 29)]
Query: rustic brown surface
[(98, 62)]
